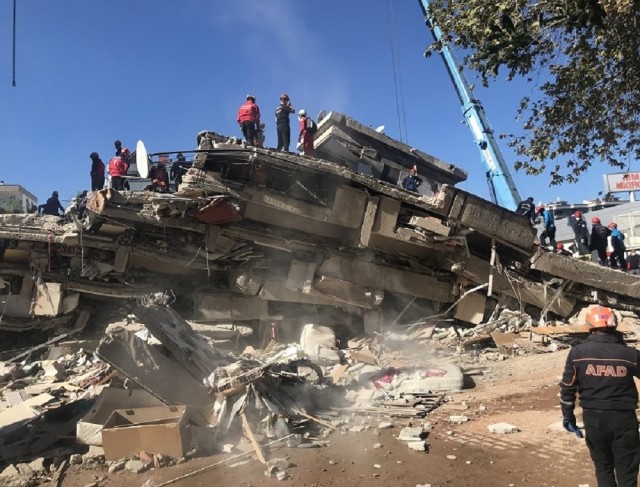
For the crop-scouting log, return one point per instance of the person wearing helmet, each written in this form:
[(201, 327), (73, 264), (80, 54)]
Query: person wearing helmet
[(599, 240), (97, 172), (549, 230), (561, 250), (601, 371), (118, 145), (616, 259), (248, 119), (526, 208), (118, 167), (52, 206), (283, 127), (580, 232), (307, 131)]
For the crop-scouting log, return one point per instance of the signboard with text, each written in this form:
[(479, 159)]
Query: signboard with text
[(622, 182)]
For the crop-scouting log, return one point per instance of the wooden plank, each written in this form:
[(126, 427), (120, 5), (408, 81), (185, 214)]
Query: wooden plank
[(364, 357), (559, 330), (254, 442), (338, 372), (317, 420)]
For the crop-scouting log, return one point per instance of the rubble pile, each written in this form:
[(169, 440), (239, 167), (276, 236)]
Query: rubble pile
[(278, 297)]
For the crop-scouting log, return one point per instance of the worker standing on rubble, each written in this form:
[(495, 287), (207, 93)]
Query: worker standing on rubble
[(52, 206), (598, 240), (617, 259), (307, 130), (283, 126), (549, 230), (118, 167), (412, 182), (249, 119), (580, 232), (601, 371), (526, 208), (97, 172)]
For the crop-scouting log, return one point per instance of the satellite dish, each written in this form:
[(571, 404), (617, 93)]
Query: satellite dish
[(142, 160), (380, 129)]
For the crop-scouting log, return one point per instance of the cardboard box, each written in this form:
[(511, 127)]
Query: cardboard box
[(161, 430), (89, 429)]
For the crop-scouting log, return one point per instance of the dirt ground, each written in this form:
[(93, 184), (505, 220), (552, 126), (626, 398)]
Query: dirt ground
[(521, 391)]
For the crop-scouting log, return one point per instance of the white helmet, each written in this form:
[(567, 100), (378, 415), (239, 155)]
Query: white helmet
[(302, 113)]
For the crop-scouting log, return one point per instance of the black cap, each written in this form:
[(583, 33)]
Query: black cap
[(94, 155)]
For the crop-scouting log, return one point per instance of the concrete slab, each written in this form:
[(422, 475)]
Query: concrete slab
[(587, 273)]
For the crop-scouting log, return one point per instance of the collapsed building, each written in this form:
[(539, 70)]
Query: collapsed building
[(275, 248), (255, 237)]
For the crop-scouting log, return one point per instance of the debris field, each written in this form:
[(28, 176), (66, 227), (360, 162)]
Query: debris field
[(271, 302)]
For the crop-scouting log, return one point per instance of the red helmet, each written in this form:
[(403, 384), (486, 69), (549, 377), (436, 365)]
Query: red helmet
[(578, 214), (125, 152), (539, 208), (613, 225), (560, 246), (600, 317), (595, 220)]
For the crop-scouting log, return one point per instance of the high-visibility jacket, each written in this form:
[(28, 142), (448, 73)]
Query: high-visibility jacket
[(118, 167), (248, 112)]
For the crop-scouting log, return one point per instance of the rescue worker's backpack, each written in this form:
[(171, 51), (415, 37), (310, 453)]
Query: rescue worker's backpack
[(312, 127)]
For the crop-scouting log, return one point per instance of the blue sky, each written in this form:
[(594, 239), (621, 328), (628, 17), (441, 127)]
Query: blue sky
[(90, 72)]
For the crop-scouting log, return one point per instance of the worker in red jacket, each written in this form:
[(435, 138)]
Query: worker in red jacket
[(118, 167), (249, 119), (307, 130)]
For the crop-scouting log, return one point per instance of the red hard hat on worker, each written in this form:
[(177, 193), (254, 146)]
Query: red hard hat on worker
[(595, 220), (600, 317), (560, 246), (613, 225)]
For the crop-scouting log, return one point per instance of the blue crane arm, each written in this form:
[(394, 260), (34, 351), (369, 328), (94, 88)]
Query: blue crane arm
[(501, 185)]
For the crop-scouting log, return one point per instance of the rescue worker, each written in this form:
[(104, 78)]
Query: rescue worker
[(52, 206), (549, 227), (306, 135), (248, 119), (178, 169), (601, 371), (580, 232), (97, 172), (412, 182), (561, 250), (159, 179), (617, 259), (118, 167), (598, 241), (526, 208), (118, 145), (283, 126)]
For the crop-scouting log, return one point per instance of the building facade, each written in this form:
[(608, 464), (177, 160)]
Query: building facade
[(15, 199)]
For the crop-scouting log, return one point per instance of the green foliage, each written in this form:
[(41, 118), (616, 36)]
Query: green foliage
[(588, 51), (10, 204)]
